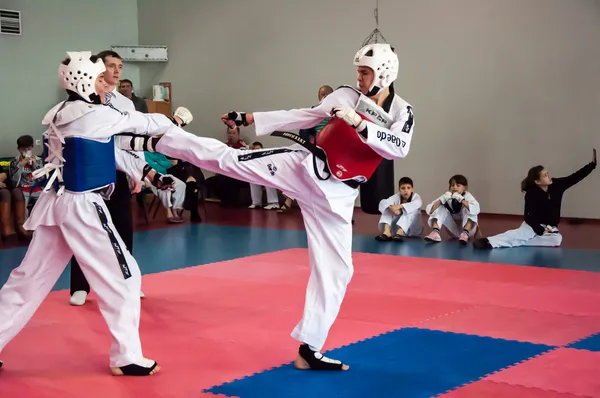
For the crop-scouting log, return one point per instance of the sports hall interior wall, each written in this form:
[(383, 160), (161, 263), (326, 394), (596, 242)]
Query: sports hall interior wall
[(29, 63), (497, 87)]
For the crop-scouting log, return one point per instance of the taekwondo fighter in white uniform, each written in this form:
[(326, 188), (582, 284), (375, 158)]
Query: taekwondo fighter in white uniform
[(70, 216), (367, 125)]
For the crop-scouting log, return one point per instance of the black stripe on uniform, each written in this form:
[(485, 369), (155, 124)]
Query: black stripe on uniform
[(112, 107), (409, 122), (262, 154), (114, 242)]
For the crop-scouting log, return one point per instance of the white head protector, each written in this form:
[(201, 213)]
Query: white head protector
[(382, 59), (81, 73)]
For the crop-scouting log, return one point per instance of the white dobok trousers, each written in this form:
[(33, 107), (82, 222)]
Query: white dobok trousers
[(326, 206), (80, 225), (256, 193), (525, 236), (171, 199), (453, 222), (411, 224)]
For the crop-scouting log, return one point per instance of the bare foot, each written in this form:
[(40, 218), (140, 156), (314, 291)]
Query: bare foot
[(147, 368), (301, 364)]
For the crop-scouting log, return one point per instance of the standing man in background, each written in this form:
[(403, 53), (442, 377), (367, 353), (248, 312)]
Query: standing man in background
[(310, 133), (126, 88), (119, 204)]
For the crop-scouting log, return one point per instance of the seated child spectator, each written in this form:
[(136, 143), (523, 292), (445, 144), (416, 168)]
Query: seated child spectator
[(400, 213), (171, 200), (194, 182), (456, 209), (256, 191), (6, 219), (26, 190)]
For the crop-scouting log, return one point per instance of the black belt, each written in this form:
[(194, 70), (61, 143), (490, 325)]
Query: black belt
[(317, 152)]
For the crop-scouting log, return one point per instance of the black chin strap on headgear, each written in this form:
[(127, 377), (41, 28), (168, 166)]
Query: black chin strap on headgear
[(92, 99)]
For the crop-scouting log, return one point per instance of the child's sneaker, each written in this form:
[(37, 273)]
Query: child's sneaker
[(434, 236)]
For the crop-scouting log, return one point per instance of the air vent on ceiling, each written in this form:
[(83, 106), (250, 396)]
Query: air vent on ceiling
[(10, 22)]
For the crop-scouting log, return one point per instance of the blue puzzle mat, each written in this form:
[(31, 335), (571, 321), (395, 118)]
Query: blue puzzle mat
[(407, 362), (592, 343)]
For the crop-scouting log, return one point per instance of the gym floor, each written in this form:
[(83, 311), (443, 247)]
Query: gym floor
[(223, 295)]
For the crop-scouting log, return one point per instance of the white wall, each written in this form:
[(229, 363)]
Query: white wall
[(498, 87), (29, 63)]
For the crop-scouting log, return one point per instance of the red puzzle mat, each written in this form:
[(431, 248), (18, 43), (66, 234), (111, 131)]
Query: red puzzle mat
[(211, 324)]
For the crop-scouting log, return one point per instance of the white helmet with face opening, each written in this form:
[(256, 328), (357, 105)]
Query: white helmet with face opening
[(382, 59), (80, 74)]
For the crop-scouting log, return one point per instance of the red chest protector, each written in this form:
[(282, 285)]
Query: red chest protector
[(340, 145), (348, 157)]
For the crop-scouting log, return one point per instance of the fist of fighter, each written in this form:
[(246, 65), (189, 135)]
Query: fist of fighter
[(184, 114), (136, 187), (237, 118), (348, 115)]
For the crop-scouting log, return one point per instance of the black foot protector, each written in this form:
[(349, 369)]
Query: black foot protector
[(0, 364), (137, 370), (317, 361)]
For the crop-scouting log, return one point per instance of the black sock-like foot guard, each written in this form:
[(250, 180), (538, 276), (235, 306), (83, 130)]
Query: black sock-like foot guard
[(317, 361), (137, 370)]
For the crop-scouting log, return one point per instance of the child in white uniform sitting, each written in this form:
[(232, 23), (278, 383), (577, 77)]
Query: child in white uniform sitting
[(456, 209), (400, 214)]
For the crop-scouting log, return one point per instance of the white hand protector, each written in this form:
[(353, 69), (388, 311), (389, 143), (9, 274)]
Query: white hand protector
[(445, 197), (458, 197), (348, 115), (184, 114)]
